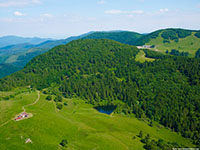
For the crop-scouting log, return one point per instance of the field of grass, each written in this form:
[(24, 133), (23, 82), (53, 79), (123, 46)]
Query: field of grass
[(141, 57), (189, 44), (83, 127)]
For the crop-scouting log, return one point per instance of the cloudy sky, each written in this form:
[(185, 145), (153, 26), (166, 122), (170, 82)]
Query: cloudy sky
[(63, 18)]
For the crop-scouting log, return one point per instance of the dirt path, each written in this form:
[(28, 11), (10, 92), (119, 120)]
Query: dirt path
[(23, 108), (5, 123), (38, 98)]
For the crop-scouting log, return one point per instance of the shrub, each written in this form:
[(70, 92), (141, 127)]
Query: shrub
[(59, 106), (58, 99), (45, 92), (64, 143), (140, 134), (65, 103), (49, 97)]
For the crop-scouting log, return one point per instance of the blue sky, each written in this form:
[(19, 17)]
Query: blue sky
[(63, 18)]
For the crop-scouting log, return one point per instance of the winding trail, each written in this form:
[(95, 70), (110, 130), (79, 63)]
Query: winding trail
[(38, 98), (23, 108)]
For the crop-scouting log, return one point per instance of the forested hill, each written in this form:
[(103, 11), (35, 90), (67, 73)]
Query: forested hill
[(19, 55), (173, 39), (104, 72), (124, 37), (67, 60)]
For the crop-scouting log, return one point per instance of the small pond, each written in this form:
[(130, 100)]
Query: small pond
[(106, 109)]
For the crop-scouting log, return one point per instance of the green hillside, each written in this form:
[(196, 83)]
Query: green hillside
[(168, 39), (20, 54), (7, 69), (106, 72), (79, 123), (124, 37)]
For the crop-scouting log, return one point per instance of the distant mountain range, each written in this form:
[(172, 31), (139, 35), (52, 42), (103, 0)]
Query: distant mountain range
[(13, 40), (19, 51)]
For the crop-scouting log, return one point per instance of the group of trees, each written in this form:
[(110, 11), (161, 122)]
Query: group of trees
[(57, 99), (151, 144), (165, 90), (175, 34), (177, 53)]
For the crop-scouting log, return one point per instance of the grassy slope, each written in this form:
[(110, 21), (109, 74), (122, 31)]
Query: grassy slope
[(141, 57), (79, 123), (189, 44)]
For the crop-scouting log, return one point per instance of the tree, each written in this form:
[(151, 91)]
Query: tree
[(64, 143), (140, 134), (59, 106), (45, 92), (59, 98), (49, 97)]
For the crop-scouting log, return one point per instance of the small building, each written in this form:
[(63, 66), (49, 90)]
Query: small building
[(21, 116), (146, 46)]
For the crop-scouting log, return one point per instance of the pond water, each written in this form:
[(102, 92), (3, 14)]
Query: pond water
[(105, 109)]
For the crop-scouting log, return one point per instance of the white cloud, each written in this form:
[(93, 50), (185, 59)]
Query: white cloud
[(47, 15), (124, 12), (18, 3), (164, 10), (101, 2), (17, 13), (113, 11), (137, 12)]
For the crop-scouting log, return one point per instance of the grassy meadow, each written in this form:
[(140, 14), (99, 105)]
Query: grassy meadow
[(189, 44), (83, 127), (141, 57)]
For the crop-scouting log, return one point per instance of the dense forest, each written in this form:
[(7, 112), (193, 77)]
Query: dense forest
[(8, 69), (104, 72), (125, 37)]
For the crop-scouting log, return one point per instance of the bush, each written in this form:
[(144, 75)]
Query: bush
[(65, 103), (64, 143), (45, 92), (58, 99), (49, 97), (59, 106), (140, 134)]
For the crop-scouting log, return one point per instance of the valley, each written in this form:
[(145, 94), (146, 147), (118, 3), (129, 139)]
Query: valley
[(83, 126)]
